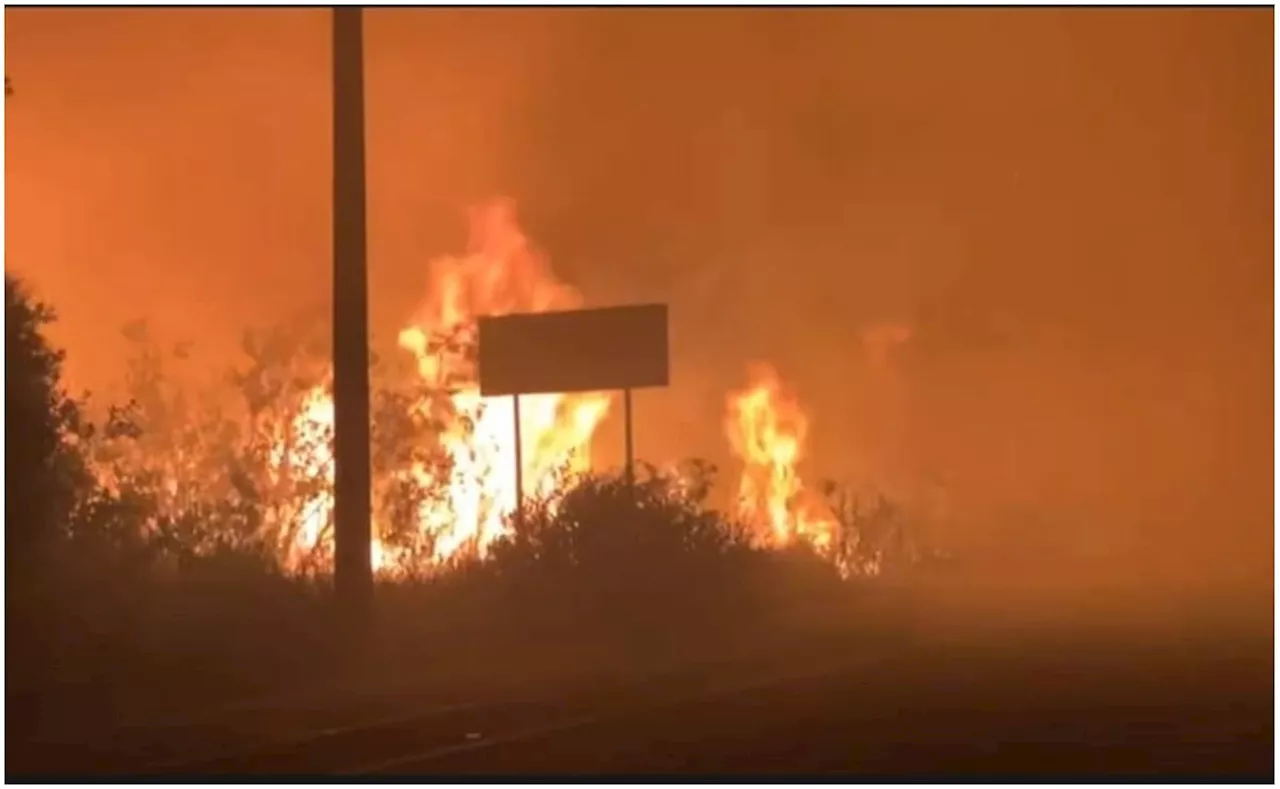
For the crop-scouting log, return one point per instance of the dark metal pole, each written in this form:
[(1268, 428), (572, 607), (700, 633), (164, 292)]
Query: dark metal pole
[(631, 456), (519, 514), (353, 575)]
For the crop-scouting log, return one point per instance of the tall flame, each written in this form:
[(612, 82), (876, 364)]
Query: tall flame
[(767, 429), (499, 274)]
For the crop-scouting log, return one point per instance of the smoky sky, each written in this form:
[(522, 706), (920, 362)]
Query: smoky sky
[(1072, 209)]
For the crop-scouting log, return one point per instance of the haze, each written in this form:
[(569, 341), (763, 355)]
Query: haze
[(1071, 209)]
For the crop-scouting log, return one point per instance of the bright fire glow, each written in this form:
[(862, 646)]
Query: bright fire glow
[(499, 274), (767, 429)]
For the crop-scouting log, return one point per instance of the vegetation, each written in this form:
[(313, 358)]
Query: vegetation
[(146, 550)]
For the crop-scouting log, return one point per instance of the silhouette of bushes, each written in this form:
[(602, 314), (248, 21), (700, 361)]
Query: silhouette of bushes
[(621, 558), (43, 476), (149, 544), (44, 473)]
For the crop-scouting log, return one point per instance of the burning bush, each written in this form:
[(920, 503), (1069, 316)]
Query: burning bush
[(252, 466), (188, 529)]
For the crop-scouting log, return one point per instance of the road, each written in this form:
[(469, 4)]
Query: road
[(1029, 715), (1033, 707)]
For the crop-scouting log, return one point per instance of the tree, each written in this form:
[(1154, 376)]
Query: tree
[(43, 469)]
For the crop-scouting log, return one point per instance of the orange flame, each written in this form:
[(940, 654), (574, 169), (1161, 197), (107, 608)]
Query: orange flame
[(500, 274), (305, 454), (767, 429)]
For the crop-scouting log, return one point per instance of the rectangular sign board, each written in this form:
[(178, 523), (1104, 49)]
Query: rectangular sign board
[(574, 351)]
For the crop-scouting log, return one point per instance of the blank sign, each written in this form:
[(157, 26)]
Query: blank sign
[(574, 351)]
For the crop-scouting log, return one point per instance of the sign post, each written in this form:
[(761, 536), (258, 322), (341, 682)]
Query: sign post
[(631, 456), (575, 351), (515, 412)]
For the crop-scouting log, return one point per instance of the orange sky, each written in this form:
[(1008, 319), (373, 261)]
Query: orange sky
[(1072, 207)]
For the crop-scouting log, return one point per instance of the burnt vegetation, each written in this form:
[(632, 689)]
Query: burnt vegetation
[(149, 565)]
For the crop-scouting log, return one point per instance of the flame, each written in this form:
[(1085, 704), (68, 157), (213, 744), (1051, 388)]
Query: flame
[(500, 274), (302, 450), (314, 426), (767, 429)]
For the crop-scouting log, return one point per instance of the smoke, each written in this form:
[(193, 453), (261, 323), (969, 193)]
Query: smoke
[(1081, 247)]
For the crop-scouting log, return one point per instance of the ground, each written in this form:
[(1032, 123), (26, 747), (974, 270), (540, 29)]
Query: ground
[(931, 697)]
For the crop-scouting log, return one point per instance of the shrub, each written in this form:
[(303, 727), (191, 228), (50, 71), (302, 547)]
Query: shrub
[(157, 538), (44, 472)]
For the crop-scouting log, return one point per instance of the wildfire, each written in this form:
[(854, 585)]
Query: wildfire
[(499, 274), (308, 457), (767, 429), (444, 457)]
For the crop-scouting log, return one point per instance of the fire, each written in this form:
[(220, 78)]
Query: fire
[(452, 493), (305, 453), (500, 273), (767, 429)]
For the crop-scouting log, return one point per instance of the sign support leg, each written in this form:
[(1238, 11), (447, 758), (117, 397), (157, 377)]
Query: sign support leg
[(515, 401), (630, 447)]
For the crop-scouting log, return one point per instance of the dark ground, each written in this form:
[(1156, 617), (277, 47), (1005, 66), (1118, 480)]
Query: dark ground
[(1045, 715), (934, 697)]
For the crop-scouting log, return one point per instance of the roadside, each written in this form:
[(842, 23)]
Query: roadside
[(405, 679)]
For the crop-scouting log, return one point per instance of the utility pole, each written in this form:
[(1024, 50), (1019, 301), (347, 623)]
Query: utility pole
[(353, 575)]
